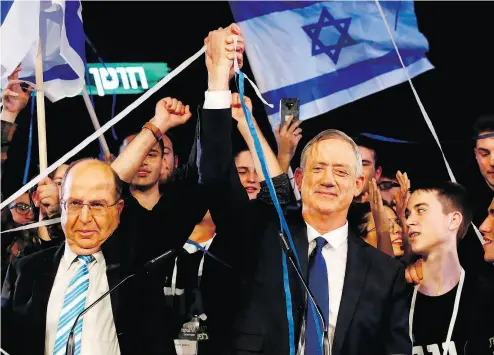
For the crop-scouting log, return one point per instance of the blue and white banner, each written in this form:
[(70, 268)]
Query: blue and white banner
[(59, 25), (328, 53)]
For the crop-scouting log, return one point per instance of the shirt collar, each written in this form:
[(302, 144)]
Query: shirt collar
[(69, 257), (335, 238), (191, 249)]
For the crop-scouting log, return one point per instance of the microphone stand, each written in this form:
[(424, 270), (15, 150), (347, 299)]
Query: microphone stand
[(291, 255), (70, 347)]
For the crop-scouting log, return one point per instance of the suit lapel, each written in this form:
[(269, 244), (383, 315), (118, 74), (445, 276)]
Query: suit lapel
[(357, 266), (41, 293), (298, 229)]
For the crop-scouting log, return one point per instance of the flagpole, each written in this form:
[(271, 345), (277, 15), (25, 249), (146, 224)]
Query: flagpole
[(40, 106), (94, 119)]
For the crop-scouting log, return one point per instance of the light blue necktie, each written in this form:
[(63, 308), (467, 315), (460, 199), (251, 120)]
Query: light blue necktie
[(318, 284), (73, 304)]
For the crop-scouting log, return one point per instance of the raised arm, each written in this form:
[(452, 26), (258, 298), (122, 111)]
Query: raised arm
[(287, 138), (215, 145), (381, 220), (14, 99), (169, 113), (271, 159)]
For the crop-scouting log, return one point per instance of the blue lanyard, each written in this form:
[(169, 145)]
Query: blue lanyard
[(283, 224)]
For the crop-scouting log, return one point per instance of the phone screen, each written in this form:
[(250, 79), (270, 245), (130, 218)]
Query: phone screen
[(289, 107)]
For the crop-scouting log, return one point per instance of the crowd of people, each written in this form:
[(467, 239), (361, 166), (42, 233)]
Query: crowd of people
[(378, 254)]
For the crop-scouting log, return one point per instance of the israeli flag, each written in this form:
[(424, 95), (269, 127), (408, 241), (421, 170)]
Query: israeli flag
[(59, 25), (328, 53)]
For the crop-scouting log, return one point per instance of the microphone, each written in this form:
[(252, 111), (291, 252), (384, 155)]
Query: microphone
[(70, 347), (291, 256)]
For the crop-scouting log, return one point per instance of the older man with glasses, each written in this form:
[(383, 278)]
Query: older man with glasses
[(105, 242)]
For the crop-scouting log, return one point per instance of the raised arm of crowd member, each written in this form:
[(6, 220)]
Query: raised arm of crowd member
[(287, 138), (46, 197), (169, 113), (381, 220), (401, 199), (14, 99), (271, 159), (216, 120)]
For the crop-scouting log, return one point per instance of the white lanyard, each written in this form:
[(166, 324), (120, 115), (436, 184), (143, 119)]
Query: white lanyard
[(453, 316)]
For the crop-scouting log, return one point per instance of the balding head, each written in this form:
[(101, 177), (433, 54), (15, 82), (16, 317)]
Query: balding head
[(91, 168), (91, 204)]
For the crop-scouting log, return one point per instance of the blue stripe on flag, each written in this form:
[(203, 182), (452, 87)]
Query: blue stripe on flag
[(5, 6), (74, 28), (63, 72), (247, 10), (346, 78)]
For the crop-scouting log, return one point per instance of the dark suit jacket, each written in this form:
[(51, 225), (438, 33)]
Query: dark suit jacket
[(138, 306), (373, 313)]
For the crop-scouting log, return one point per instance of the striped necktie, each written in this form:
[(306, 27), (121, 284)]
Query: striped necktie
[(74, 303)]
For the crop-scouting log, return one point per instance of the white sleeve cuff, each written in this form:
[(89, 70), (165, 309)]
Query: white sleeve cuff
[(217, 99)]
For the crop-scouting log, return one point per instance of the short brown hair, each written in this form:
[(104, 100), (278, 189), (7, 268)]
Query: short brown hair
[(453, 198)]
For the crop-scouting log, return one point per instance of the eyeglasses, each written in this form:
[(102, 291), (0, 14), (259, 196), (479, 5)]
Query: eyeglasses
[(21, 208), (387, 185), (392, 222), (97, 208)]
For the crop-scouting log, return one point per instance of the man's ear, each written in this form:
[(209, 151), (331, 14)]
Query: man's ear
[(456, 220), (379, 172), (120, 206), (176, 161), (359, 185), (298, 176)]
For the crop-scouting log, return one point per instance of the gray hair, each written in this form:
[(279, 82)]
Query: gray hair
[(333, 134)]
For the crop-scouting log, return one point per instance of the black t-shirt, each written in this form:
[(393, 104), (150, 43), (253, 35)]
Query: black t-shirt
[(432, 317)]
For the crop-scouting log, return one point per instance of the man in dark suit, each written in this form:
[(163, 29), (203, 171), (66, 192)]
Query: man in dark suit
[(360, 292), (105, 242)]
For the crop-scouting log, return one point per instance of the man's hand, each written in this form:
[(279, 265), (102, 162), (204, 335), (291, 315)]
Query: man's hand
[(170, 113), (288, 138), (220, 54), (413, 273), (237, 111), (13, 97), (46, 197)]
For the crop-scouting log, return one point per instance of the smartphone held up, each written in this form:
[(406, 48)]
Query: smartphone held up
[(289, 107)]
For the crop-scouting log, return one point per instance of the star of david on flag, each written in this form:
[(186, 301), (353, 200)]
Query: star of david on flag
[(328, 54), (326, 20)]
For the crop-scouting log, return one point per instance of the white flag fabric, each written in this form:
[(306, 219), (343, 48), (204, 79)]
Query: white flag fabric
[(59, 25), (328, 53)]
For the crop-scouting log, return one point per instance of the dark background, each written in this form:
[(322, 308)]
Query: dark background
[(454, 93)]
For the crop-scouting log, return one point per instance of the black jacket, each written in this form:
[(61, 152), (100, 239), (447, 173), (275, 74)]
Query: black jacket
[(138, 307)]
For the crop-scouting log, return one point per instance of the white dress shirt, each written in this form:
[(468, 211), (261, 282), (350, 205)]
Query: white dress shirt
[(217, 99), (99, 336), (335, 255)]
